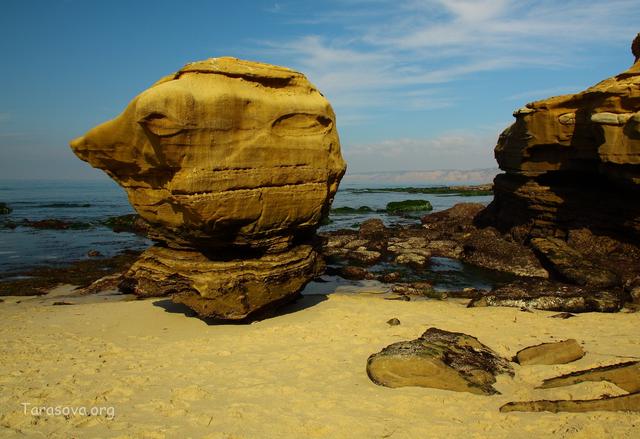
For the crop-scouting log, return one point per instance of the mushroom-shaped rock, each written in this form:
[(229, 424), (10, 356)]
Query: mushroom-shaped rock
[(233, 164)]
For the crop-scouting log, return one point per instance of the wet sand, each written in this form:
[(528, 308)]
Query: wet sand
[(299, 374)]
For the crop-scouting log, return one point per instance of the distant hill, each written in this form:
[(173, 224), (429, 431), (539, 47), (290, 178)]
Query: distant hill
[(435, 177)]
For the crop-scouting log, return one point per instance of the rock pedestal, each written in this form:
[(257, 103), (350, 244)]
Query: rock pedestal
[(233, 164)]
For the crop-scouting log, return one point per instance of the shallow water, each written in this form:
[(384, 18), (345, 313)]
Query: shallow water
[(94, 201), (81, 201), (379, 200)]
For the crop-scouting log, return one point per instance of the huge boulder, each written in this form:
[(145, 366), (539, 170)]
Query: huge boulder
[(233, 164), (573, 161), (572, 181)]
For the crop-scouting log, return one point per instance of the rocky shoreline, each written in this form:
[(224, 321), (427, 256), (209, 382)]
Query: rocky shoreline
[(82, 274), (587, 273)]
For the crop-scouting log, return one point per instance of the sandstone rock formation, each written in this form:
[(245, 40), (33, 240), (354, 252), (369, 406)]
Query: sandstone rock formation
[(574, 160), (441, 360), (560, 352), (622, 403), (624, 375), (233, 164), (571, 163)]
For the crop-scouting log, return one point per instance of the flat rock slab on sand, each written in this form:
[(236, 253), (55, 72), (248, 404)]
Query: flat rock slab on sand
[(299, 374), (560, 352), (441, 360), (624, 375)]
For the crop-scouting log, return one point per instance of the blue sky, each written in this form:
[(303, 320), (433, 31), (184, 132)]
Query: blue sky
[(416, 85)]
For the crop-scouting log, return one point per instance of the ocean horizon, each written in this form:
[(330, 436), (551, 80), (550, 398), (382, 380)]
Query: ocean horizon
[(91, 202)]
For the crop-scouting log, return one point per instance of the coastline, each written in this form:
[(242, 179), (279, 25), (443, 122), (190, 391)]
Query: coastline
[(300, 373)]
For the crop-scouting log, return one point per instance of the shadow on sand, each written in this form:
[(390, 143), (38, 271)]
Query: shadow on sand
[(298, 304)]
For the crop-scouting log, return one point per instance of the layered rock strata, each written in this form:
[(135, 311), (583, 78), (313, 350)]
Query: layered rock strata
[(233, 164), (573, 162)]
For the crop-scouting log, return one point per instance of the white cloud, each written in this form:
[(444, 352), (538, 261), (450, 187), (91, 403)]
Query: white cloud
[(452, 150), (388, 46), (393, 57)]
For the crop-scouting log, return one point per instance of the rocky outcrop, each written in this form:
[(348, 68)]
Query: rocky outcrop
[(548, 295), (439, 359), (572, 163), (233, 164), (570, 265), (450, 233), (574, 160)]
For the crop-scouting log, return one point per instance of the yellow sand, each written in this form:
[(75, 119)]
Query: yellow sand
[(298, 375)]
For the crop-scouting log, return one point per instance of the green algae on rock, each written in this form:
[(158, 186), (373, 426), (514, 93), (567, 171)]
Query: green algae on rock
[(408, 206)]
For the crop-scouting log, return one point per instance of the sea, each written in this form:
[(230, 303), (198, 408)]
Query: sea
[(92, 202)]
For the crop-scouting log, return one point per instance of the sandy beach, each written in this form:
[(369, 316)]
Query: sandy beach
[(298, 374)]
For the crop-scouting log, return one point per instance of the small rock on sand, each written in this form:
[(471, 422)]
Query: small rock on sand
[(550, 353), (439, 359)]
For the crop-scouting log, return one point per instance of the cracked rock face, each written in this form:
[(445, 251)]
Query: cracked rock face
[(574, 161), (226, 159)]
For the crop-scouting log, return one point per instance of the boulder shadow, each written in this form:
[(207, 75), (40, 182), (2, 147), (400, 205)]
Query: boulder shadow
[(301, 302)]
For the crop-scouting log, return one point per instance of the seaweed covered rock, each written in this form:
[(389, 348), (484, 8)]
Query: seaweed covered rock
[(373, 229), (233, 164), (130, 223), (547, 295), (408, 206), (458, 217), (453, 233), (439, 359)]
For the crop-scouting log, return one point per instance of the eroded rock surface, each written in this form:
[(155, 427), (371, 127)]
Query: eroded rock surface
[(571, 265), (233, 164), (441, 360), (560, 352), (626, 403), (551, 296), (624, 375), (572, 163)]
